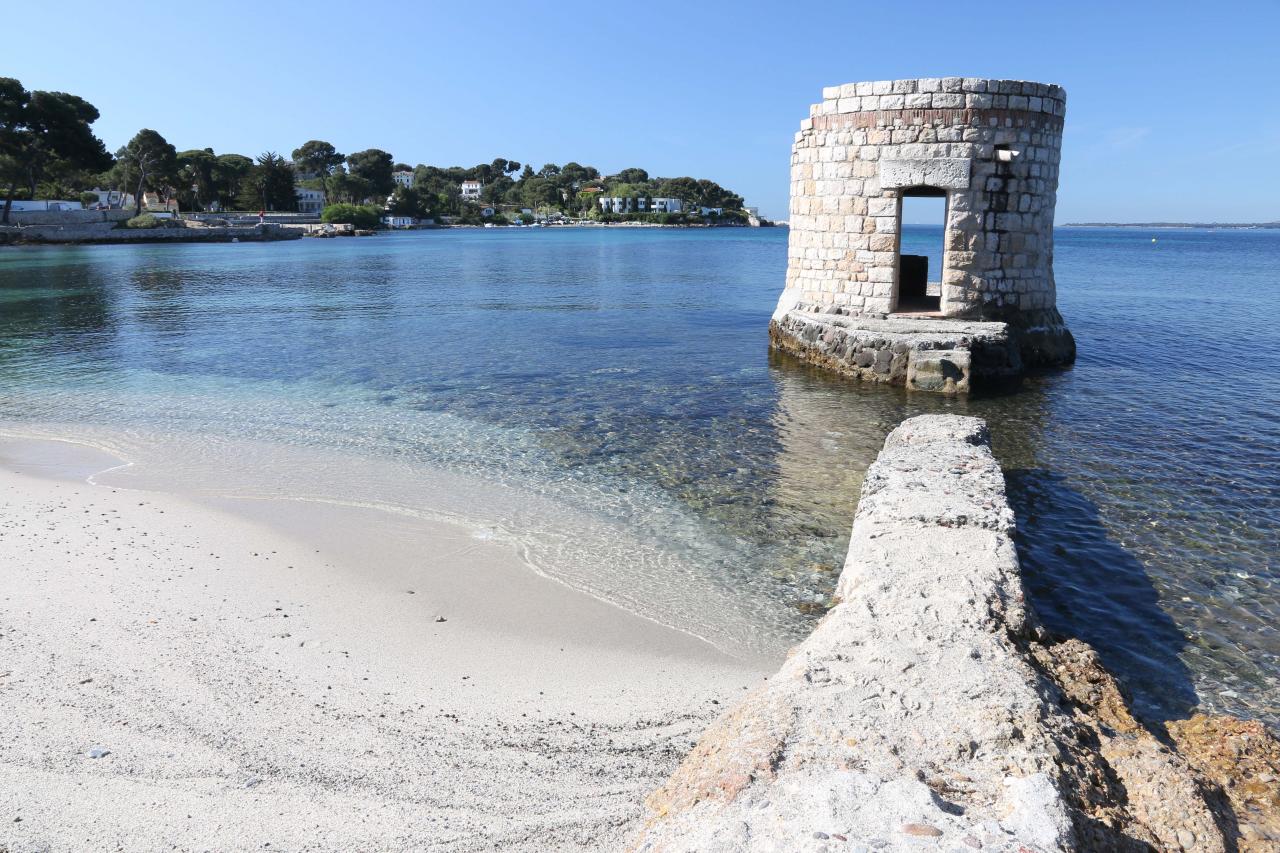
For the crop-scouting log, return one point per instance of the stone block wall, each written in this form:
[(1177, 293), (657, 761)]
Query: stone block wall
[(991, 146)]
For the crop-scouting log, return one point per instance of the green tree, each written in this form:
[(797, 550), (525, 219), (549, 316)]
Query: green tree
[(577, 172), (375, 166), (349, 188), (442, 188), (229, 173), (632, 176), (538, 192), (359, 215), (149, 161), (410, 201), (39, 129), (495, 192), (270, 184), (699, 192), (196, 182), (319, 157)]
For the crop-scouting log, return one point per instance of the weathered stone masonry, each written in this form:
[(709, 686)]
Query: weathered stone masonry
[(991, 148), (929, 711)]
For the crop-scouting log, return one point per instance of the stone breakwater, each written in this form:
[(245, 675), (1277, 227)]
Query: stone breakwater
[(108, 233), (929, 711)]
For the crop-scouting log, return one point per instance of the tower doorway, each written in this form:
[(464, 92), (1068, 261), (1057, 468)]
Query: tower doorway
[(921, 251)]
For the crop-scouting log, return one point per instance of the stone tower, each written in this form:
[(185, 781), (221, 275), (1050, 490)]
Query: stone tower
[(990, 148)]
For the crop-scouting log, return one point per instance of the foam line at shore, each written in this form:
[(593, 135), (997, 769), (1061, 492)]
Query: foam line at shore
[(591, 555)]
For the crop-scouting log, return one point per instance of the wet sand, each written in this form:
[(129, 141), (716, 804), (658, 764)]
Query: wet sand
[(268, 674)]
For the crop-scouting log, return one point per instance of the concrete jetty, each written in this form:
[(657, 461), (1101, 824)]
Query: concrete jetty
[(928, 711)]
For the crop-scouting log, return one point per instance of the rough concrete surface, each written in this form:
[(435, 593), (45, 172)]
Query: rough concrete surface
[(927, 710)]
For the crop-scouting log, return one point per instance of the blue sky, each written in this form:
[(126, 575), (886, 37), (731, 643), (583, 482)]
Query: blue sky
[(1173, 108)]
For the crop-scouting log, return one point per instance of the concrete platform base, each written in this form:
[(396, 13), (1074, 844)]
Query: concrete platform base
[(944, 356), (924, 353)]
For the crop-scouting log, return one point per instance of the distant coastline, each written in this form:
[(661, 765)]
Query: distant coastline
[(1234, 225)]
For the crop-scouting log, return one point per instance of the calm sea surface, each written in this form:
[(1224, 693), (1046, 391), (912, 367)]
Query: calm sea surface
[(617, 385)]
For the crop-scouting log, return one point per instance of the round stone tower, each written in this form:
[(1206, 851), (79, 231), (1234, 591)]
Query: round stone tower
[(990, 148)]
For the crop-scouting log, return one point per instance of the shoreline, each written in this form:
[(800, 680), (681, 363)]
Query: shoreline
[(277, 680), (90, 235)]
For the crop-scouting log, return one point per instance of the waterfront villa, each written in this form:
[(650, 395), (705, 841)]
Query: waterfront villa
[(403, 178), (640, 204), (471, 190), (616, 204), (309, 201)]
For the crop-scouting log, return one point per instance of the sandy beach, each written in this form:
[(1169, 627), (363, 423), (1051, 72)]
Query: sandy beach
[(175, 675)]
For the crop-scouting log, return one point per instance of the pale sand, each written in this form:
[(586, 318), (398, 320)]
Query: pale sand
[(283, 682)]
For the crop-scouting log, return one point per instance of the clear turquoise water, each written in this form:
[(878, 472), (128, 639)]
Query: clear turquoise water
[(624, 376)]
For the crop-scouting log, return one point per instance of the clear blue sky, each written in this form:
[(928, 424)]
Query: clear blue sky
[(1173, 108)]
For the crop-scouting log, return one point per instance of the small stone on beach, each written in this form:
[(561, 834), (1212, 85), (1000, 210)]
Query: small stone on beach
[(97, 752), (922, 830)]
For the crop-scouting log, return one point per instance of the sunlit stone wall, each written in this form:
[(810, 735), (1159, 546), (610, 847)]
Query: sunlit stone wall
[(991, 146)]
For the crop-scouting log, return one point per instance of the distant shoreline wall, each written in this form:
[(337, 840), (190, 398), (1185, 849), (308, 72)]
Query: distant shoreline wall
[(66, 217), (108, 233), (928, 711)]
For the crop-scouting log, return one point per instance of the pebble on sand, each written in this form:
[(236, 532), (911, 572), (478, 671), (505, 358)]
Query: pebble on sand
[(923, 830)]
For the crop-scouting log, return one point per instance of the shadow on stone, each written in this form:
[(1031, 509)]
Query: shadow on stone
[(1083, 584)]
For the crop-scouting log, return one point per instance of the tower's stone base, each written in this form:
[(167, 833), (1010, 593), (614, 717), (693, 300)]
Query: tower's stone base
[(1043, 338), (938, 355)]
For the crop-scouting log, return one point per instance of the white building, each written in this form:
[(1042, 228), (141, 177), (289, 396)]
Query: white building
[(113, 198), (403, 178), (667, 205), (471, 190), (309, 201), (616, 204), (712, 211), (392, 221)]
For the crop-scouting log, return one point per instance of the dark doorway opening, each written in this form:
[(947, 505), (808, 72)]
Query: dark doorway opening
[(920, 251)]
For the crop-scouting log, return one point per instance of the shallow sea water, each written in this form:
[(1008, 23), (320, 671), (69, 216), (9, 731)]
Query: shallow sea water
[(606, 400)]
